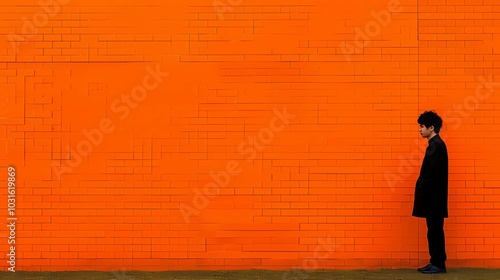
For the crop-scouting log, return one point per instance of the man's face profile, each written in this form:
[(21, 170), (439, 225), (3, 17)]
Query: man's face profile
[(425, 131)]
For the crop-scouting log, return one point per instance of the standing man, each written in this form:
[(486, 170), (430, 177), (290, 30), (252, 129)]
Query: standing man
[(431, 191)]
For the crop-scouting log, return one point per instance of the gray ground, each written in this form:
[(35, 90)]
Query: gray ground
[(400, 274)]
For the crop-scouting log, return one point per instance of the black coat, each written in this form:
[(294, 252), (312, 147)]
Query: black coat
[(431, 189)]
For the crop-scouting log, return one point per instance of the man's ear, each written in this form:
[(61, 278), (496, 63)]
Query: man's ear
[(431, 128)]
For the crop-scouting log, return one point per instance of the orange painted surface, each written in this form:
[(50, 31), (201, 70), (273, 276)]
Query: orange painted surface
[(239, 134)]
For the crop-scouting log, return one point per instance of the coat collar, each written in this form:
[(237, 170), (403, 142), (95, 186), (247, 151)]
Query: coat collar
[(436, 139)]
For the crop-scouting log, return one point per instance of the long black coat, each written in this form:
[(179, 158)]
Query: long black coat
[(431, 189)]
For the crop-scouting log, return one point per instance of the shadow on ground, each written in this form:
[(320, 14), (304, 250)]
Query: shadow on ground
[(400, 274)]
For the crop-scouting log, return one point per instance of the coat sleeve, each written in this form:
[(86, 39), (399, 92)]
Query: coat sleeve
[(431, 172)]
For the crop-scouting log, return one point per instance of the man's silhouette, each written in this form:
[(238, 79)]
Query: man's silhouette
[(431, 191)]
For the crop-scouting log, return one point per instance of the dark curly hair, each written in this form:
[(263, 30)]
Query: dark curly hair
[(431, 118)]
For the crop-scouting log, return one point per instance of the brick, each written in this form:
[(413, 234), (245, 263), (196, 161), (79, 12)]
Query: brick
[(323, 173)]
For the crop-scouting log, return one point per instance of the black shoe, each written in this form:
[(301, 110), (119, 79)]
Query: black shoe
[(425, 267), (433, 270)]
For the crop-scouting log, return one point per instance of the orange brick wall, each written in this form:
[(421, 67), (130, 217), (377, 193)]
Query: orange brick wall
[(239, 134)]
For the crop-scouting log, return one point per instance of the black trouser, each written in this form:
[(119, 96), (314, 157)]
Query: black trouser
[(435, 240)]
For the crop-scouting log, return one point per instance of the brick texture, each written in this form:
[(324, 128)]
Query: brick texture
[(239, 134)]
